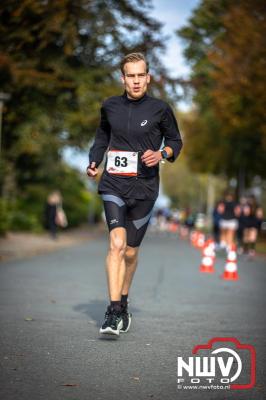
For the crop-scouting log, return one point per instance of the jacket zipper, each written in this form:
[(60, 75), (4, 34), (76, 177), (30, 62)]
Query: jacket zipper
[(128, 123), (129, 117)]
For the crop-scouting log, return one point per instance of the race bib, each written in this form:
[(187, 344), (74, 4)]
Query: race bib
[(122, 162)]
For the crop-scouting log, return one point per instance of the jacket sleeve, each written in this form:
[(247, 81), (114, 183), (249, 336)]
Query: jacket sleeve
[(101, 140), (170, 131)]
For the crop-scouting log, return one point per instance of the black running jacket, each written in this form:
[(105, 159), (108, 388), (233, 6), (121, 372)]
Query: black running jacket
[(134, 125)]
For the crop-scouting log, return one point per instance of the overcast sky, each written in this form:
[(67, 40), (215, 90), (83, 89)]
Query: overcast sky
[(173, 14)]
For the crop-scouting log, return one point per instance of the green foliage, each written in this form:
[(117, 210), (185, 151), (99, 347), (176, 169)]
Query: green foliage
[(4, 222), (23, 221), (27, 212), (15, 217), (187, 188), (77, 201), (225, 45), (59, 61)]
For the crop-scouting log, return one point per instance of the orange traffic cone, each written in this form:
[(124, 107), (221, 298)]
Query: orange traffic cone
[(173, 227), (200, 240), (230, 268), (207, 262), (210, 242), (193, 238)]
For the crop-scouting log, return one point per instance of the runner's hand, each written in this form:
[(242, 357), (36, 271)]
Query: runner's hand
[(151, 158), (92, 171)]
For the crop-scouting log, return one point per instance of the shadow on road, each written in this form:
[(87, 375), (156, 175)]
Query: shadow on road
[(95, 310)]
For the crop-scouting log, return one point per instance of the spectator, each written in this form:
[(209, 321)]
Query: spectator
[(251, 220), (229, 220), (216, 217), (54, 213)]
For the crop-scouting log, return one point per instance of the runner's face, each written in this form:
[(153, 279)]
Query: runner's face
[(135, 79)]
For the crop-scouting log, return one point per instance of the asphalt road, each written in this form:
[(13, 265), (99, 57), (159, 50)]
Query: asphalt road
[(52, 306)]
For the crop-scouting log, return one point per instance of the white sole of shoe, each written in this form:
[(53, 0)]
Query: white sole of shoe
[(110, 331)]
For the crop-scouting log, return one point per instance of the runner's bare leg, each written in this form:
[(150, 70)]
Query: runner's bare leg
[(131, 259), (115, 263)]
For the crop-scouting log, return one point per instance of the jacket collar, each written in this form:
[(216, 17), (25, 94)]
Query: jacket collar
[(138, 101)]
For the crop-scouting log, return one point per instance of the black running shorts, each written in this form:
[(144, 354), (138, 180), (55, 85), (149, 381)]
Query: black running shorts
[(131, 214)]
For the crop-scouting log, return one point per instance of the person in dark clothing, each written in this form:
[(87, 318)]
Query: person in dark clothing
[(132, 129), (50, 215), (54, 200), (251, 219), (229, 220), (216, 217)]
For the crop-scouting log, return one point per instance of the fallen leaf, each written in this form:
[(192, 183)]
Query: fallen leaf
[(28, 319), (70, 384)]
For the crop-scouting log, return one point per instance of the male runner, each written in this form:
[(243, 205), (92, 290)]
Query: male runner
[(132, 129)]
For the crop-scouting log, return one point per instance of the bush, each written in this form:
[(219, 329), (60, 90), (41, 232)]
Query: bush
[(4, 220), (26, 213), (23, 221)]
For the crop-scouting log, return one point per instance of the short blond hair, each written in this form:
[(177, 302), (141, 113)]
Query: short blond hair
[(133, 57)]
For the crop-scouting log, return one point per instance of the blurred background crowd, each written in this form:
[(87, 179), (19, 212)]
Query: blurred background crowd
[(59, 60), (231, 223)]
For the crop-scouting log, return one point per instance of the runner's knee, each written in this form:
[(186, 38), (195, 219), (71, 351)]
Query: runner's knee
[(131, 254), (118, 245)]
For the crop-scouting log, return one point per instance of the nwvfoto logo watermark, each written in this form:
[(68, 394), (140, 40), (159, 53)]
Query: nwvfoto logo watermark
[(219, 368)]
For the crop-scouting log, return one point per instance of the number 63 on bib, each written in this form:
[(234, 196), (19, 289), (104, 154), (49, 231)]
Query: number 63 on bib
[(121, 162)]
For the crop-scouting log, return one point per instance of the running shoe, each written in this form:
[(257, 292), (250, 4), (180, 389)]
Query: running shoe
[(112, 322), (126, 318)]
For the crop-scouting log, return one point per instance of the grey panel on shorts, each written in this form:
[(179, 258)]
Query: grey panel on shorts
[(114, 199), (142, 221)]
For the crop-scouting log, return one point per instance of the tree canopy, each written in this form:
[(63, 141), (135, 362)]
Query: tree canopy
[(58, 61), (225, 46)]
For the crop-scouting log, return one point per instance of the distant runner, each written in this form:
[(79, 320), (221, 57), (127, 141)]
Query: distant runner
[(132, 129)]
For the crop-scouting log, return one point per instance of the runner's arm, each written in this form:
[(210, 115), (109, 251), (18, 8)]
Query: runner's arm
[(101, 141), (172, 138)]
